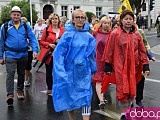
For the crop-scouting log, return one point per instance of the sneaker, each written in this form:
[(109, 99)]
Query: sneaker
[(102, 105), (105, 101), (123, 117), (10, 100), (140, 104), (20, 95), (26, 83), (49, 92)]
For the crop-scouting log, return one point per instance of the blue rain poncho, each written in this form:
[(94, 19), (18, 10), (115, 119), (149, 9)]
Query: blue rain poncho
[(74, 64)]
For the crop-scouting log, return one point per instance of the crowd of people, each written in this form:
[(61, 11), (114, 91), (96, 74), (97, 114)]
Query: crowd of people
[(103, 51)]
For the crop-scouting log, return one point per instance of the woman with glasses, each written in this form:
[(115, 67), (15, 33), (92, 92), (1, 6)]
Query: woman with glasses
[(74, 64)]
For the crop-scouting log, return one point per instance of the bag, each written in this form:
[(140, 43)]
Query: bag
[(6, 28)]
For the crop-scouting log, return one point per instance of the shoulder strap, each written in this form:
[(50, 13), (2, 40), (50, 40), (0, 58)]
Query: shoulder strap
[(25, 27), (5, 29), (46, 31)]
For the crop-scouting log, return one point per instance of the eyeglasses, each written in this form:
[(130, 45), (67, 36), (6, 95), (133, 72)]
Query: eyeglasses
[(80, 17)]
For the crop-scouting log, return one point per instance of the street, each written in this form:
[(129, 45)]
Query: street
[(39, 106)]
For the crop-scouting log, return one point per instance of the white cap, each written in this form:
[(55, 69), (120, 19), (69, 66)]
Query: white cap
[(16, 9)]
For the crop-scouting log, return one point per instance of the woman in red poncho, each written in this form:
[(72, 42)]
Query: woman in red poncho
[(125, 56), (101, 35)]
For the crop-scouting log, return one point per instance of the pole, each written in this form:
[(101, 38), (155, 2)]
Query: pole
[(31, 13), (149, 16)]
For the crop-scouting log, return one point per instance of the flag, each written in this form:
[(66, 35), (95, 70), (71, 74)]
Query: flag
[(125, 6)]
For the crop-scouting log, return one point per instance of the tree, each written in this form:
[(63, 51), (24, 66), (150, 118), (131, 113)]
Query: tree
[(24, 6), (137, 5), (89, 16)]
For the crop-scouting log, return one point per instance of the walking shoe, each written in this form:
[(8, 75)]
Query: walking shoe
[(49, 92), (105, 101), (10, 100), (26, 83), (20, 95), (140, 104), (102, 105), (123, 117)]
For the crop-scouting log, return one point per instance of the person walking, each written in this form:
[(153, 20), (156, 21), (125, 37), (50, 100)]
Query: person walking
[(50, 37), (140, 84), (101, 35), (126, 58), (74, 64), (157, 25), (14, 47), (38, 28), (28, 74), (140, 20)]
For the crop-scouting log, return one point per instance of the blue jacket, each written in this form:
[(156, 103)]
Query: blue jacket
[(15, 44), (74, 63)]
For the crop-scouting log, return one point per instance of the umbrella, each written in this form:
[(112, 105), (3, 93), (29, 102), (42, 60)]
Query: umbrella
[(44, 59), (35, 63)]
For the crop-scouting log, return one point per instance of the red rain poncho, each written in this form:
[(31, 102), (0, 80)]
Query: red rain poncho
[(127, 55), (101, 39)]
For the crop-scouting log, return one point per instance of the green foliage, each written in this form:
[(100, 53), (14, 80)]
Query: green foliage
[(24, 6), (89, 15)]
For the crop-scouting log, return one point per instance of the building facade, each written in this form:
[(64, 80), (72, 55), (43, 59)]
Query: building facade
[(98, 7), (65, 7)]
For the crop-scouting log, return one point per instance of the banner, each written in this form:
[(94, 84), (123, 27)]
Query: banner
[(125, 6)]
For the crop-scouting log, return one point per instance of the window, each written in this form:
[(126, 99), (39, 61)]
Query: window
[(98, 11), (64, 10), (76, 7)]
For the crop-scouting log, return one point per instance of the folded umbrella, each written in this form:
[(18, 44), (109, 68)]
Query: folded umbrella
[(45, 58), (35, 63)]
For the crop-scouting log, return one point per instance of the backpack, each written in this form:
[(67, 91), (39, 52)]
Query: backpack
[(6, 28)]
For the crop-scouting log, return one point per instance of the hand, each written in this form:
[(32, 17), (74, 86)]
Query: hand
[(1, 61), (57, 40), (146, 72), (108, 73), (153, 59), (52, 45), (34, 55)]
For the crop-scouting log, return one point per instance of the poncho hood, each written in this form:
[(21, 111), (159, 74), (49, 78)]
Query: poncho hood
[(71, 27)]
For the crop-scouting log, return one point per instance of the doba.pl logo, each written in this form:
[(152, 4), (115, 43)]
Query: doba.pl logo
[(143, 113)]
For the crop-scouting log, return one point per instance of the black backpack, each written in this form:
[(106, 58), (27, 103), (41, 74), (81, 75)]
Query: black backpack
[(6, 28)]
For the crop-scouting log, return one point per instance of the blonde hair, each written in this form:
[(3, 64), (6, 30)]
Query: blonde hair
[(39, 19), (105, 19), (51, 17)]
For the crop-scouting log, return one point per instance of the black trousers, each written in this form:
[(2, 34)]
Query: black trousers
[(139, 89), (49, 78)]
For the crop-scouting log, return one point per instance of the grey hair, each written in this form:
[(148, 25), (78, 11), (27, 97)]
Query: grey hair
[(75, 12)]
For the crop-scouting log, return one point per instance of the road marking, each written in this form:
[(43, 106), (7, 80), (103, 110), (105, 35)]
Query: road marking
[(153, 80), (45, 92), (109, 113), (151, 35)]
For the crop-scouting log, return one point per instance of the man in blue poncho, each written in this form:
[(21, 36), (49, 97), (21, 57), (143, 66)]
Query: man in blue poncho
[(74, 64)]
